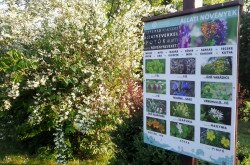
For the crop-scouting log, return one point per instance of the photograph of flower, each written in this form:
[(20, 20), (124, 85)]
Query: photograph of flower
[(215, 138), (216, 90), (156, 106), (214, 32), (156, 125), (184, 110), (182, 88), (208, 33), (182, 66), (156, 86), (216, 65), (216, 114), (182, 131), (184, 38), (155, 66)]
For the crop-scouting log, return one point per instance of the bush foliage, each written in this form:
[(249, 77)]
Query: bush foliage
[(65, 72), (244, 72)]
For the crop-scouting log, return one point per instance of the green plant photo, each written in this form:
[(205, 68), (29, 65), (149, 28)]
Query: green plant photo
[(215, 138), (216, 114), (155, 66), (156, 106), (156, 125), (216, 66), (216, 90), (182, 131), (184, 110), (156, 86)]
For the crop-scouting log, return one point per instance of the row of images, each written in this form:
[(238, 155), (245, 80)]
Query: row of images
[(184, 131), (214, 32), (208, 33), (209, 90), (208, 113), (209, 66)]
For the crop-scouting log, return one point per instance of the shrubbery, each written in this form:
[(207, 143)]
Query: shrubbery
[(65, 72), (244, 72)]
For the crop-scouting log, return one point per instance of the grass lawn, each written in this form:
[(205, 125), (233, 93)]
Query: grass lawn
[(244, 135), (9, 155), (24, 159)]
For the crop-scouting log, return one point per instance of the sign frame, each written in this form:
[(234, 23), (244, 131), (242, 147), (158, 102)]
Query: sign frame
[(153, 97)]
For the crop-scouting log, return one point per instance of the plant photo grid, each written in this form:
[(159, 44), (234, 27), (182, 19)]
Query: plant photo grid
[(216, 90), (183, 110), (155, 66), (183, 131), (182, 66), (215, 138), (216, 114), (214, 32), (156, 106), (182, 88), (216, 65), (156, 86), (156, 125)]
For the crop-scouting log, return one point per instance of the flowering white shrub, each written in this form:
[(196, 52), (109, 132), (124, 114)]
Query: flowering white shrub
[(66, 65)]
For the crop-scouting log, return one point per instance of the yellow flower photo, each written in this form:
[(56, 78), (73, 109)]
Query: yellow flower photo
[(225, 142), (210, 135), (215, 138)]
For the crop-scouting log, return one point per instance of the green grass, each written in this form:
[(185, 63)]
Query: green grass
[(244, 135), (10, 155), (24, 159), (243, 149)]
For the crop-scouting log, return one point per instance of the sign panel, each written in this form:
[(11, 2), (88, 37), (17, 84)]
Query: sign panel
[(190, 84)]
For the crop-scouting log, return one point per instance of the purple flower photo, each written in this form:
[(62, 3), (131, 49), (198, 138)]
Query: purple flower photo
[(182, 88), (184, 39), (214, 32)]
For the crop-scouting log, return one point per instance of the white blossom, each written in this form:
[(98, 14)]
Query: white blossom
[(216, 113), (14, 92), (7, 104), (179, 127), (33, 84), (81, 27)]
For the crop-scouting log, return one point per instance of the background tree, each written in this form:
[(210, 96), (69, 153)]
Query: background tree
[(245, 47)]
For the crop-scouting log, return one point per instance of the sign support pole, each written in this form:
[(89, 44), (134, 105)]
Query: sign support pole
[(188, 4)]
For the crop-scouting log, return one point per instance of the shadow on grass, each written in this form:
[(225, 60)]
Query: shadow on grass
[(8, 147)]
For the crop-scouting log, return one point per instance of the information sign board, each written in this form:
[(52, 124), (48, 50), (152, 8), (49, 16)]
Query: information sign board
[(190, 84)]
